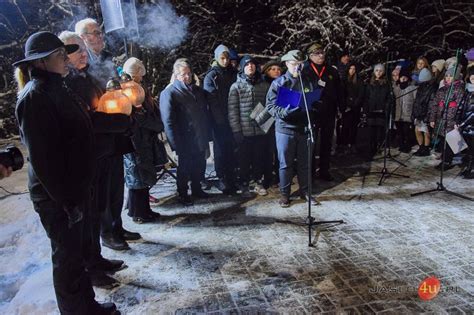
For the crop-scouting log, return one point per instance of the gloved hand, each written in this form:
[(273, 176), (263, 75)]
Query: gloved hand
[(74, 214), (238, 137)]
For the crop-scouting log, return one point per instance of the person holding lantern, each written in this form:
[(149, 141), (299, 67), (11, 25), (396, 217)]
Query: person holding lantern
[(140, 172), (184, 110), (57, 131)]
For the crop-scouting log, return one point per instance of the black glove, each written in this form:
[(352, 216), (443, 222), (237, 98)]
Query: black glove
[(74, 215), (291, 110), (238, 137)]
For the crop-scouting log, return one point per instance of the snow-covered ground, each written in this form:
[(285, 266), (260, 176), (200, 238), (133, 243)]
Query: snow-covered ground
[(232, 255)]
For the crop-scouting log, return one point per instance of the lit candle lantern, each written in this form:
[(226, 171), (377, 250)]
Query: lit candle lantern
[(114, 101), (132, 89)]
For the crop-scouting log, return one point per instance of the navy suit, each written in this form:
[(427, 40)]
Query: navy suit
[(184, 111)]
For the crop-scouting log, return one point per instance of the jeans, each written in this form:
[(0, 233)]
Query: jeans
[(290, 147)]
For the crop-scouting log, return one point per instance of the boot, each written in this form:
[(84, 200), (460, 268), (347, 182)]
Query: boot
[(420, 151)]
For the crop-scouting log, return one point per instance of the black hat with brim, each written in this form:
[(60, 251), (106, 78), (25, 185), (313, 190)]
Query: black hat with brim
[(42, 44)]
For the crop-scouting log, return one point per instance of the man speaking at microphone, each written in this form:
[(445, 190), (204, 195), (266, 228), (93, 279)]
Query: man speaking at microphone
[(291, 121), (326, 77)]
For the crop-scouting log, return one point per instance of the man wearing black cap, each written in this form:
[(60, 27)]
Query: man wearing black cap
[(291, 122), (327, 78), (58, 134), (254, 145)]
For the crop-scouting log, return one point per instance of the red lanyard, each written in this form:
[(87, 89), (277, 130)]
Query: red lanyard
[(320, 75)]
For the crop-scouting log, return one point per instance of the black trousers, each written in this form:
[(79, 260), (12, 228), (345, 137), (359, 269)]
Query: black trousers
[(405, 134), (224, 157), (111, 196), (73, 288), (325, 125), (255, 158), (350, 120), (139, 202), (191, 167)]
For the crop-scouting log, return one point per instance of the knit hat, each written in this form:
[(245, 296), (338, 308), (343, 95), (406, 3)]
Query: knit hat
[(233, 54), (245, 60), (219, 50), (405, 73), (314, 48), (134, 67), (294, 55), (450, 62), (456, 75), (379, 66), (404, 64), (270, 64), (425, 75), (470, 54), (439, 64)]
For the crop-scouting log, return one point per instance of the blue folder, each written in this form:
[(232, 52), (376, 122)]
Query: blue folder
[(287, 97)]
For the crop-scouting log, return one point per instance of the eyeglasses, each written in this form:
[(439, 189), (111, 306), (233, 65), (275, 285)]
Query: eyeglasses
[(96, 33), (317, 53), (294, 63)]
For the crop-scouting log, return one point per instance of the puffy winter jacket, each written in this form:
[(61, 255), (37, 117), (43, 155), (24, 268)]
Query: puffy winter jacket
[(377, 103), (467, 120), (437, 107), (424, 94), (243, 97), (404, 100)]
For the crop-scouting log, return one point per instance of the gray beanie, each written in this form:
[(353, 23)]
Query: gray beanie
[(425, 75), (219, 50), (456, 75)]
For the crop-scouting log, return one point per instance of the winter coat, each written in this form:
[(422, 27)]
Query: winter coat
[(139, 166), (437, 107), (243, 97), (424, 94), (354, 95), (332, 96), (58, 133), (288, 121), (107, 127), (217, 83), (404, 100), (466, 123), (377, 103), (185, 116)]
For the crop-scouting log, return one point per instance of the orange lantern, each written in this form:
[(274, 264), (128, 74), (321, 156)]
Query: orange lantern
[(132, 89), (114, 101)]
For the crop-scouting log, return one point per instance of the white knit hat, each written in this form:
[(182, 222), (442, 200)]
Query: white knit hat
[(134, 67), (379, 66), (439, 64)]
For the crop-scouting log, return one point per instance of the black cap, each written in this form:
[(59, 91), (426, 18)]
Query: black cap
[(43, 44)]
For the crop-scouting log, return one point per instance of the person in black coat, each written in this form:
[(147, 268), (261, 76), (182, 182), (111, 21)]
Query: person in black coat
[(58, 133), (184, 111), (354, 95), (376, 107), (105, 127), (466, 125), (325, 77), (140, 171), (217, 83)]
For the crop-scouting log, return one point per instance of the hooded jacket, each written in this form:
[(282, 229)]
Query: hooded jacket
[(243, 97), (437, 106), (217, 83), (404, 100), (424, 94)]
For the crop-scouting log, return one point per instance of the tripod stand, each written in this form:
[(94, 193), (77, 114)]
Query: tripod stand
[(310, 220), (444, 124)]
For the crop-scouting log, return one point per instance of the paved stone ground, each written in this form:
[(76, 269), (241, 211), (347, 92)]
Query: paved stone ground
[(250, 256)]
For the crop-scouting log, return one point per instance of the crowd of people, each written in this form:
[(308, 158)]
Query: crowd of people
[(81, 158)]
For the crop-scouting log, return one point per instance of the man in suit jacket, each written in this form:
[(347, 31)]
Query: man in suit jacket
[(184, 111)]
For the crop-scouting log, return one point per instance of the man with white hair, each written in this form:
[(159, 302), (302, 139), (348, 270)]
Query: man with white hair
[(184, 111), (92, 35)]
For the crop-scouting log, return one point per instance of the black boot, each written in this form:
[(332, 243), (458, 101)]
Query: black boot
[(420, 151), (103, 309), (114, 242)]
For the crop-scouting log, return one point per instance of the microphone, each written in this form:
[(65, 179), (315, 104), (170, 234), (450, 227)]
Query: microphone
[(300, 67)]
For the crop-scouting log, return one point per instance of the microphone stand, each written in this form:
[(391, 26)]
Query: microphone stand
[(439, 185), (386, 148), (310, 220)]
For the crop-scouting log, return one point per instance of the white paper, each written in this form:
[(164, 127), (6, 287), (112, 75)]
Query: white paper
[(455, 141), (267, 124)]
